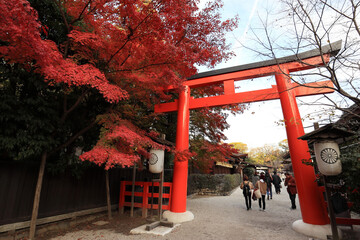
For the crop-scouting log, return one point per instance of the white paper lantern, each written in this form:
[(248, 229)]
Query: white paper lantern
[(156, 160), (328, 157)]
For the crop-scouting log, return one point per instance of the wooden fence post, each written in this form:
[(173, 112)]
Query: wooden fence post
[(37, 196), (108, 194)]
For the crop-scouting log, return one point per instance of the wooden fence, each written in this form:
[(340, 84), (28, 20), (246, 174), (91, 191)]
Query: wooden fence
[(61, 194)]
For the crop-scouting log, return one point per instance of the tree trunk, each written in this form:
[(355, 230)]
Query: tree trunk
[(108, 194), (35, 211)]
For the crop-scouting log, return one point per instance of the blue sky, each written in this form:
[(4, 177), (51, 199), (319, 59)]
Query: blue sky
[(259, 124)]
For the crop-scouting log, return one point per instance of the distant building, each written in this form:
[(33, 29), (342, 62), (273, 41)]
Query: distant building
[(233, 165)]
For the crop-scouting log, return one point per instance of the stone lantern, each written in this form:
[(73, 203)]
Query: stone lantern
[(326, 148)]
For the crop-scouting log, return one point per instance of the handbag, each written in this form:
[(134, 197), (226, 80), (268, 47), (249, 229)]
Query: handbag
[(253, 196), (257, 193)]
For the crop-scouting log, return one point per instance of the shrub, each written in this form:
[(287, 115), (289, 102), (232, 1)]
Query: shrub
[(219, 184)]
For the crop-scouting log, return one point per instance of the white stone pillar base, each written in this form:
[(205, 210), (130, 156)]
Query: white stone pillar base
[(315, 231), (178, 217)]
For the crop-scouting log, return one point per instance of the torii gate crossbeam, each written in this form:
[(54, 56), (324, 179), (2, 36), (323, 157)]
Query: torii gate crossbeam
[(311, 201)]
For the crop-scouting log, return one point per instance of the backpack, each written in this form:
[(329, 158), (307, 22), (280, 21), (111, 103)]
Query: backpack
[(246, 189)]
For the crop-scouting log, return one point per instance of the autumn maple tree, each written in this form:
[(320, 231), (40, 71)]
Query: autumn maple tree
[(123, 49), (206, 153), (207, 127), (107, 58)]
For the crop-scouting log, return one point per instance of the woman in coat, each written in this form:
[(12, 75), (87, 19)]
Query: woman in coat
[(261, 184), (291, 189)]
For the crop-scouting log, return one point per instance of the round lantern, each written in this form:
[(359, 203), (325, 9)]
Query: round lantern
[(156, 160), (328, 157)]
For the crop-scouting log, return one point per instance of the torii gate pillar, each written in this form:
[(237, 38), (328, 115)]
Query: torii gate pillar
[(178, 211), (310, 200)]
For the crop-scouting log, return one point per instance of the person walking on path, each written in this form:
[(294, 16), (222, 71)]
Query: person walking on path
[(247, 186), (255, 178), (276, 181), (268, 180), (261, 184), (291, 188)]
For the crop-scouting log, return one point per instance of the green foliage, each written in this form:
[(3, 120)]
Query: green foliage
[(230, 182), (350, 159), (32, 118), (28, 113), (249, 171), (222, 184)]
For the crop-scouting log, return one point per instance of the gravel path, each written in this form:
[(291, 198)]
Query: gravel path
[(217, 217)]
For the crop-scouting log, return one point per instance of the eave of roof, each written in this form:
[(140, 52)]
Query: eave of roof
[(331, 49), (163, 142), (329, 131)]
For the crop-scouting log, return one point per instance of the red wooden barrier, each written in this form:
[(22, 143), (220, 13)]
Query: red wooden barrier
[(341, 220), (347, 221), (145, 194)]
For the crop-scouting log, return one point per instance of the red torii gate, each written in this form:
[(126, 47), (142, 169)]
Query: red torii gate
[(310, 199)]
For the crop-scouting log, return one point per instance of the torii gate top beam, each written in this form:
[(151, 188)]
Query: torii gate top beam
[(227, 76)]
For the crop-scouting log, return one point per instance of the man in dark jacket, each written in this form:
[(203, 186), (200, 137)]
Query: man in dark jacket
[(291, 188), (268, 180), (276, 181)]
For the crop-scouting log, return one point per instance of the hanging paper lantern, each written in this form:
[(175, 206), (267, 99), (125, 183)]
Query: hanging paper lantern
[(156, 160), (328, 157)]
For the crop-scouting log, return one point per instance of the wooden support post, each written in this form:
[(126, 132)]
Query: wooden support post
[(164, 223), (229, 87), (122, 197), (35, 211), (335, 234), (132, 191), (108, 194), (153, 225), (145, 200), (160, 199)]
